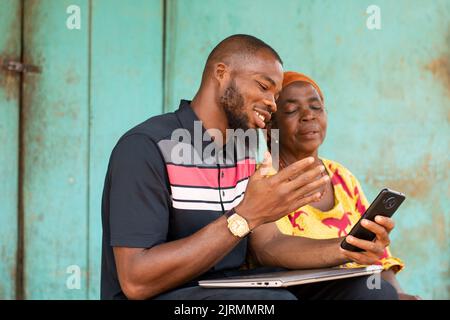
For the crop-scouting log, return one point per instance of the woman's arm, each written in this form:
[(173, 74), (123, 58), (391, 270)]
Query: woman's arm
[(272, 248), (389, 276)]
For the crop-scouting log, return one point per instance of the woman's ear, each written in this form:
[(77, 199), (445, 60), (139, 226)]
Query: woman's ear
[(269, 127), (272, 124)]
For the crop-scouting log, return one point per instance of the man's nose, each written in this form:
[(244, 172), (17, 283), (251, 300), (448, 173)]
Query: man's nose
[(270, 104)]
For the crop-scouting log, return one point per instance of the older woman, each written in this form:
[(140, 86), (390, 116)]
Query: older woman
[(302, 122)]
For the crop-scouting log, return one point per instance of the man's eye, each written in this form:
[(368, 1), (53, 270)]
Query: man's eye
[(291, 111), (263, 87), (316, 107)]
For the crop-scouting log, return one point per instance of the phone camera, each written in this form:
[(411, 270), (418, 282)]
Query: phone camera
[(389, 203)]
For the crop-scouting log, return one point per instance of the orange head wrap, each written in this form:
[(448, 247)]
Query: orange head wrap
[(291, 76)]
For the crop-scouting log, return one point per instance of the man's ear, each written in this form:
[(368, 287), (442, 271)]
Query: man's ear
[(221, 73)]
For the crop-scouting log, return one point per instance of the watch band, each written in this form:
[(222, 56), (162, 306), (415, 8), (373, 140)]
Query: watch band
[(229, 213), (232, 211)]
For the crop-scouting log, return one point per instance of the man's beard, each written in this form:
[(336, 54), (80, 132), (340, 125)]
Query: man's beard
[(232, 103)]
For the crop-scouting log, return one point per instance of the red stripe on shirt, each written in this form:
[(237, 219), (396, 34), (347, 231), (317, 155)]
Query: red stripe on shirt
[(209, 177)]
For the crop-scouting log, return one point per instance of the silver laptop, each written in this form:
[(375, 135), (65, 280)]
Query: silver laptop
[(290, 278)]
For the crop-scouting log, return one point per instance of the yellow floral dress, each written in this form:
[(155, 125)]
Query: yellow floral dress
[(349, 204)]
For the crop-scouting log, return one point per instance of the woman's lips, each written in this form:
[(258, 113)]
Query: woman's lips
[(310, 134)]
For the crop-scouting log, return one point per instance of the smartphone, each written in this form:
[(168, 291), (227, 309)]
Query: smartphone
[(385, 204)]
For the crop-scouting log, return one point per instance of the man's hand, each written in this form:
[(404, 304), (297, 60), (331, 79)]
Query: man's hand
[(373, 250), (268, 198)]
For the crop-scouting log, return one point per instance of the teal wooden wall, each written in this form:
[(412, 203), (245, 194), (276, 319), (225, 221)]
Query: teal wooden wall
[(387, 92), (9, 148)]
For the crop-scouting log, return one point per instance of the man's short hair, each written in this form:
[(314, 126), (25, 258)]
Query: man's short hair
[(239, 44)]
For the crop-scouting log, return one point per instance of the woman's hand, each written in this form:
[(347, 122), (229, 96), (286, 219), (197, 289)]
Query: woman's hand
[(373, 250)]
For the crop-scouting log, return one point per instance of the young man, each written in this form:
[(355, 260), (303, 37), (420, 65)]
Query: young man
[(172, 215)]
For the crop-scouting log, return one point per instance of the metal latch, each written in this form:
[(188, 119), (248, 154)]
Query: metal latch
[(16, 66)]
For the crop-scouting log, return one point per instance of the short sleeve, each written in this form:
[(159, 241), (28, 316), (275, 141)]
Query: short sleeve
[(139, 196), (361, 203), (390, 262)]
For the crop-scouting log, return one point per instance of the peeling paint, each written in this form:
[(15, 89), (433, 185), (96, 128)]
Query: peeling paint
[(10, 80), (440, 68), (72, 77), (416, 182)]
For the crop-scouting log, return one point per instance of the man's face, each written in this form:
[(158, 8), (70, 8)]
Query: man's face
[(249, 98), (301, 119)]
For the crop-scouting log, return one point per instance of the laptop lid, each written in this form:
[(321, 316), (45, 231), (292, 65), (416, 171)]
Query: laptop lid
[(290, 278)]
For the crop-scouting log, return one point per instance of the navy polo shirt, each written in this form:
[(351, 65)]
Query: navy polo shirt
[(163, 185)]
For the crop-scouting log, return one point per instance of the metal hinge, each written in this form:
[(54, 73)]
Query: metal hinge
[(17, 66)]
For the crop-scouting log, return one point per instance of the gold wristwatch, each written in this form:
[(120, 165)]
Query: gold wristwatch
[(237, 224)]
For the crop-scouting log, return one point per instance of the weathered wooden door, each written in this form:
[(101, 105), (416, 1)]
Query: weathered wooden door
[(96, 81), (10, 48)]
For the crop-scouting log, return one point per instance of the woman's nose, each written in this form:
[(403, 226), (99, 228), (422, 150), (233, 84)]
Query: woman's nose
[(307, 115)]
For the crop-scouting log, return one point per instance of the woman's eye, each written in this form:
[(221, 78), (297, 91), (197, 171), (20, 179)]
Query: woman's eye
[(291, 111), (316, 107)]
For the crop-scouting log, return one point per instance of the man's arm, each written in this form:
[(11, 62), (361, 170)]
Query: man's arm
[(144, 273), (139, 203)]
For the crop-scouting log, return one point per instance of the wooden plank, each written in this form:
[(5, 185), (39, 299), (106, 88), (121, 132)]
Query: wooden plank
[(126, 89), (10, 24), (56, 150)]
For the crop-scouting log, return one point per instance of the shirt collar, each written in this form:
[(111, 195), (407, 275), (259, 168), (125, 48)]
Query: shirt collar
[(187, 118)]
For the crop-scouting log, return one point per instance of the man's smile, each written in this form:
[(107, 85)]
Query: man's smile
[(261, 116)]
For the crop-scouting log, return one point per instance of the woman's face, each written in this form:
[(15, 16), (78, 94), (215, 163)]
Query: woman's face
[(301, 119)]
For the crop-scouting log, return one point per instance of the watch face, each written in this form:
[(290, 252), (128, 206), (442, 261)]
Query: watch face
[(239, 227)]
